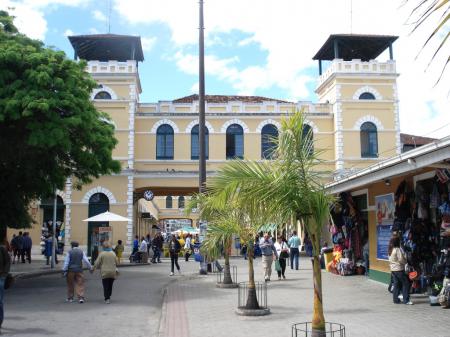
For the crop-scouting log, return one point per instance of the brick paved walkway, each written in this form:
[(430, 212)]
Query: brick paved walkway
[(363, 306)]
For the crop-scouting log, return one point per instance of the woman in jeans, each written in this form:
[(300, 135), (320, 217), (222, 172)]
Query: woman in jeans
[(397, 262), (107, 263), (282, 252), (174, 250)]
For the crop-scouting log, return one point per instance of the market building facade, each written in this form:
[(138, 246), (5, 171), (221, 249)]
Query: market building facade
[(355, 123), (408, 196)]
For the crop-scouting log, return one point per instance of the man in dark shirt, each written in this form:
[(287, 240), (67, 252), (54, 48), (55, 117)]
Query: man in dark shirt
[(27, 245)]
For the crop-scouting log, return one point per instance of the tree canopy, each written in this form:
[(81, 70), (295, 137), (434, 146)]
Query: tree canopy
[(49, 128)]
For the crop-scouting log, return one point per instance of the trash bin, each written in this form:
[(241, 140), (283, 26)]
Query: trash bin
[(328, 256)]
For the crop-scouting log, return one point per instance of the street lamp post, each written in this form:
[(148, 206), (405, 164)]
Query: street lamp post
[(201, 117), (55, 204)]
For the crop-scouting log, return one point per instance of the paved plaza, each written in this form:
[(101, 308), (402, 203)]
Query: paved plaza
[(147, 302)]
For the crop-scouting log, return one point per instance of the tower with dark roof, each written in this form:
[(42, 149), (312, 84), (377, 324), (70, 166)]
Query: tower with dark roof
[(362, 91)]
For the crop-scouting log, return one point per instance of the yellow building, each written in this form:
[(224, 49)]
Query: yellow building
[(355, 123)]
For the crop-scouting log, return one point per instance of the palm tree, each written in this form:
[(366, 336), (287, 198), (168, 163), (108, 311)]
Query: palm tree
[(423, 12), (228, 215), (289, 186)]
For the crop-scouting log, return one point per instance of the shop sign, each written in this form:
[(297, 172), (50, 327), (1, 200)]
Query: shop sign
[(105, 229), (385, 209)]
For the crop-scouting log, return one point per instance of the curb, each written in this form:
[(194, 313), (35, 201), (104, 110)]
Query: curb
[(30, 275)]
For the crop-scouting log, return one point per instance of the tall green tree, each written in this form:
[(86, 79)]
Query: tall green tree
[(49, 128), (287, 187)]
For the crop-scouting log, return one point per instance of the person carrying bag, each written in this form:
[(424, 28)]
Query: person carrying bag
[(283, 253)]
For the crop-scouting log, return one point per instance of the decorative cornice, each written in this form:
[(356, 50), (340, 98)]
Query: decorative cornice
[(225, 126), (366, 88), (368, 118), (103, 88), (99, 189), (165, 121), (267, 122)]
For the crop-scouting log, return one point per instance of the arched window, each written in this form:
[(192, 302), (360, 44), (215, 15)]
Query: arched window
[(235, 142), (269, 134), (195, 144), (164, 142), (102, 95), (366, 95), (181, 202), (169, 202), (98, 203), (308, 138), (369, 140)]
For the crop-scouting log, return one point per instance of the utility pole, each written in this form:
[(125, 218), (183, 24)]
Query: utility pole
[(201, 117)]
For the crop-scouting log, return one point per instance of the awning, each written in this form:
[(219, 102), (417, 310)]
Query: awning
[(107, 216)]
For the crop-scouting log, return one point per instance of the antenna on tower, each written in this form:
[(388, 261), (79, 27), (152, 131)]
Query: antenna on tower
[(109, 16), (351, 16)]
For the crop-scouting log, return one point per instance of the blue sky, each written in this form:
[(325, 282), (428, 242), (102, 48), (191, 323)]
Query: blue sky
[(253, 47)]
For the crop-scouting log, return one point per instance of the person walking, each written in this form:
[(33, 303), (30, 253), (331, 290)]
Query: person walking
[(135, 245), (397, 262), (118, 250), (27, 245), (157, 246), (107, 263), (174, 250), (48, 250), (294, 244), (269, 254), (148, 238), (282, 252), (14, 249), (142, 252), (187, 247), (19, 243), (5, 265), (73, 270)]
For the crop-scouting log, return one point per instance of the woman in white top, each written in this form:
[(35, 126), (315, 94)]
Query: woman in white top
[(187, 247), (397, 262), (282, 252)]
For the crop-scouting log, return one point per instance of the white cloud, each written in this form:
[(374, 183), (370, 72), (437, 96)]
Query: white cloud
[(30, 16), (99, 16), (195, 88), (30, 21), (69, 32), (148, 42), (290, 32), (93, 30)]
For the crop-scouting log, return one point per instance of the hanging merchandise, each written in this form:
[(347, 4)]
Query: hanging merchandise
[(445, 213)]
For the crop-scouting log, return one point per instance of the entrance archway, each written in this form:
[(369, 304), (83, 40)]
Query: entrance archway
[(98, 203)]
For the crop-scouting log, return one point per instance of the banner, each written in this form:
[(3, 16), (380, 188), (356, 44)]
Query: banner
[(385, 209)]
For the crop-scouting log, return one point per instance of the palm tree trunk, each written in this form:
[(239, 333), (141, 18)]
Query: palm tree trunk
[(318, 320), (226, 269), (252, 300)]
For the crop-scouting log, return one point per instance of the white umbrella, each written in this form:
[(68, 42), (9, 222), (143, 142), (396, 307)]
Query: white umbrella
[(107, 216)]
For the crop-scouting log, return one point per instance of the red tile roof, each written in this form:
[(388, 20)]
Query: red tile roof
[(227, 98), (415, 140)]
